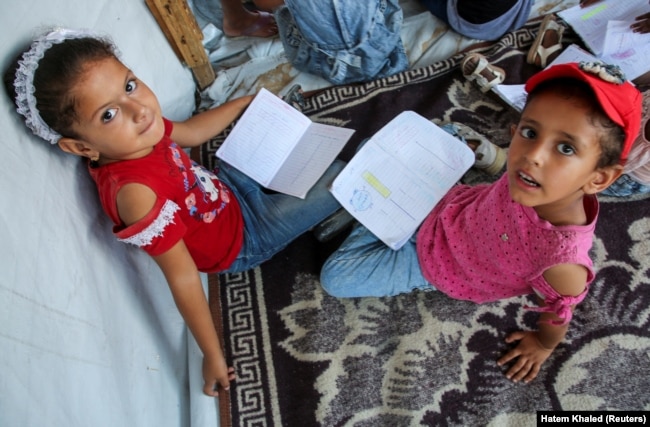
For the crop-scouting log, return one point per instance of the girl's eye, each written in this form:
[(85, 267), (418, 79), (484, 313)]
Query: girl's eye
[(528, 133), (565, 149), (109, 115), (131, 85)]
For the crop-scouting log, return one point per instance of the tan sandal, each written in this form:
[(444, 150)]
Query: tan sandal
[(540, 55), (476, 67), (488, 156)]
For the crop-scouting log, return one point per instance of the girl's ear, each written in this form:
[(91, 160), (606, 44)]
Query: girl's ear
[(513, 129), (603, 178), (77, 147)]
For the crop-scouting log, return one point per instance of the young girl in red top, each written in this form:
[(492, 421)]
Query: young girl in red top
[(74, 92)]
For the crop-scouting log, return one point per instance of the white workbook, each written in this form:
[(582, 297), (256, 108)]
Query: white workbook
[(397, 177), (280, 147)]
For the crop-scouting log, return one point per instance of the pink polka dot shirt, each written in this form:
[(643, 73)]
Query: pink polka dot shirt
[(480, 245)]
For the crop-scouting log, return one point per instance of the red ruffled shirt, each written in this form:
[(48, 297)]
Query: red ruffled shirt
[(192, 204)]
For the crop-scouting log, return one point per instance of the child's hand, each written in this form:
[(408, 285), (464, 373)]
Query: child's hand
[(641, 24), (216, 374), (585, 3), (530, 355)]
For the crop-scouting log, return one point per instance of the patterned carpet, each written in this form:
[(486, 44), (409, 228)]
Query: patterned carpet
[(305, 358)]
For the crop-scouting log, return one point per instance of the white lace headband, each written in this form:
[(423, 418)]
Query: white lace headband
[(24, 82)]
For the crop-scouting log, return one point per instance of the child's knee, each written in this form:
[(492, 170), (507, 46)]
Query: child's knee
[(336, 284), (329, 282)]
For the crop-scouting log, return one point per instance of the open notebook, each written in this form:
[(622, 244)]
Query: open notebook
[(281, 148), (399, 175)]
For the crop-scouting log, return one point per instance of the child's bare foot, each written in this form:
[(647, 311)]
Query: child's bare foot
[(255, 24)]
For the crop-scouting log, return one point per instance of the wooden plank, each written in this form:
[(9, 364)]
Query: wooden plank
[(177, 22)]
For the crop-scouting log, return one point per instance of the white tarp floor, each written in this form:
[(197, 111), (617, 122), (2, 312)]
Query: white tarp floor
[(89, 333)]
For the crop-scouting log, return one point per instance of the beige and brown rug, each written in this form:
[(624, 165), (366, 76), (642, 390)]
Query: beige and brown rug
[(306, 359)]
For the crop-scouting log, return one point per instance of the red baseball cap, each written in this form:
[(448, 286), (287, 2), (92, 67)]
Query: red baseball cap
[(619, 99)]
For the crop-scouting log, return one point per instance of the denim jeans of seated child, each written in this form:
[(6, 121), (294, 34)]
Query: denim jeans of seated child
[(363, 266), (343, 41), (273, 220)]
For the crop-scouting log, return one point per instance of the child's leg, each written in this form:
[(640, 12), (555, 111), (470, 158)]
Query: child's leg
[(365, 266), (273, 220)]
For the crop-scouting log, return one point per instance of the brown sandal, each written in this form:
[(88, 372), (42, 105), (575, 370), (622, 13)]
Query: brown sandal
[(476, 67)]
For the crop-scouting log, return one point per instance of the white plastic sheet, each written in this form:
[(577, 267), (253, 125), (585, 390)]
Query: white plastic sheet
[(89, 333)]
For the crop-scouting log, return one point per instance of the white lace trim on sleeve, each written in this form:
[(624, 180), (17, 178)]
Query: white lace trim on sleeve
[(156, 228)]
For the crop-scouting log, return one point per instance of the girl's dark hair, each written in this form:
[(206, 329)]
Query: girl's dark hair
[(57, 73), (612, 136)]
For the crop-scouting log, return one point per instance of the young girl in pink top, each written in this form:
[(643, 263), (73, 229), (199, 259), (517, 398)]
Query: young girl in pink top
[(529, 232), (74, 92)]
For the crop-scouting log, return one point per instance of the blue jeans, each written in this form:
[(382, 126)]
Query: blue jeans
[(273, 220), (364, 266), (343, 41), (625, 186)]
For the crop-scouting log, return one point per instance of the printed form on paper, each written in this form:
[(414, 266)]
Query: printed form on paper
[(398, 176)]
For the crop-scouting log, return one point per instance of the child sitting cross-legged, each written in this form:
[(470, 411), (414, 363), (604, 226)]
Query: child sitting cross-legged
[(529, 232)]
